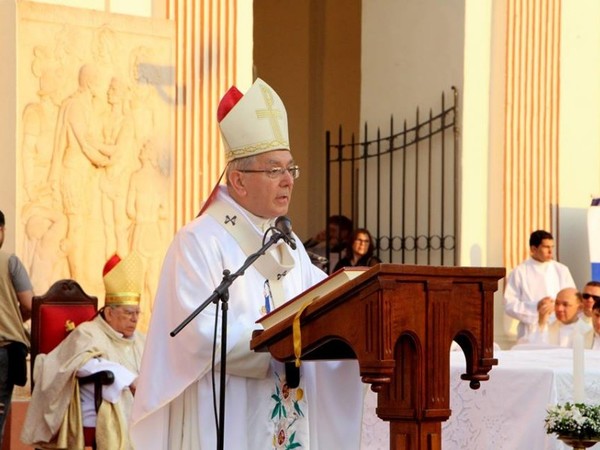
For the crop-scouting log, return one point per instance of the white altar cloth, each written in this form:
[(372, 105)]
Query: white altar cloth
[(507, 412)]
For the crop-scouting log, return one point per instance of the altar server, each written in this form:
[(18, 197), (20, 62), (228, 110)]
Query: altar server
[(539, 278)]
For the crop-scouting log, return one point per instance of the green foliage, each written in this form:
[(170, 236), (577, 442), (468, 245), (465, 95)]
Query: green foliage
[(577, 420)]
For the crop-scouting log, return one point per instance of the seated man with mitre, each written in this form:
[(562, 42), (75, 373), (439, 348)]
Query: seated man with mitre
[(60, 409)]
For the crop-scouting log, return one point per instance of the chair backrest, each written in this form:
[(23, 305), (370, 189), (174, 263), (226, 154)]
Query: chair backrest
[(57, 312)]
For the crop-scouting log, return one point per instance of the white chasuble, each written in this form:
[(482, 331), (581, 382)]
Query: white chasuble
[(173, 407), (251, 233)]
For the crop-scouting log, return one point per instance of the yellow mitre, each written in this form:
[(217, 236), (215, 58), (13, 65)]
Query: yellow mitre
[(252, 123), (123, 280)]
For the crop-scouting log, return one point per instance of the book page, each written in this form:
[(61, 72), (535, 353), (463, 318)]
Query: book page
[(320, 289)]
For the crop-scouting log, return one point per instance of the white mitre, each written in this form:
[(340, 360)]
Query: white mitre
[(252, 123)]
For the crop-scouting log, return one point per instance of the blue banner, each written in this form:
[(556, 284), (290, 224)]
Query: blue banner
[(594, 237)]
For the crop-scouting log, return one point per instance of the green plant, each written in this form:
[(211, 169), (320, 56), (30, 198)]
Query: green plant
[(577, 420)]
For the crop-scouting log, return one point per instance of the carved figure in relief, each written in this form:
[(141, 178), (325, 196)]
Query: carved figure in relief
[(105, 45), (118, 136), (143, 95), (74, 170), (147, 206), (45, 228), (39, 123), (69, 56)]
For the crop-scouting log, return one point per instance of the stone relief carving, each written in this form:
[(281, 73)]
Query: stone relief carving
[(147, 207), (73, 173), (44, 226), (94, 149), (118, 142)]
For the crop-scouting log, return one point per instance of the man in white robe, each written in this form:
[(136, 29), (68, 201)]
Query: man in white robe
[(60, 409), (538, 278), (560, 332), (174, 404), (591, 296), (591, 339)]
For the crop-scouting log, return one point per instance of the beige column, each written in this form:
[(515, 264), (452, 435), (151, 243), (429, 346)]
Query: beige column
[(532, 118), (214, 51), (8, 118)]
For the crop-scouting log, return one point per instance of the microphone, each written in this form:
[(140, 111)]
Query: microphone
[(284, 225), (316, 257)]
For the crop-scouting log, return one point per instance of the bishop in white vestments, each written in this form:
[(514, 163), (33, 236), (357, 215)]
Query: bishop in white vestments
[(174, 407)]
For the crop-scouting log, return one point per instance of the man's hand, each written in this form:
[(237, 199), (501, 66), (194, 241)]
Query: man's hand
[(545, 307), (133, 386)]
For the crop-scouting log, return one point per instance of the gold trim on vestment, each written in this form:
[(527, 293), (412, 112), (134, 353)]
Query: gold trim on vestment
[(122, 298), (255, 149)]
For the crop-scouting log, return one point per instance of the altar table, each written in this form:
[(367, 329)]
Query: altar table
[(507, 412)]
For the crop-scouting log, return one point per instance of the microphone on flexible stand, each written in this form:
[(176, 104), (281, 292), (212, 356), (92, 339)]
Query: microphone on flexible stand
[(284, 225)]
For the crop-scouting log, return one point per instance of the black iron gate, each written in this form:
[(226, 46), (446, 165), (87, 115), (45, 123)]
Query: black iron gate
[(402, 187)]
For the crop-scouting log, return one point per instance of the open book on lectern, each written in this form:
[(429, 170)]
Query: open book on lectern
[(323, 287)]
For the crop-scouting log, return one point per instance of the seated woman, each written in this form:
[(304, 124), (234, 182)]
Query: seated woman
[(360, 251)]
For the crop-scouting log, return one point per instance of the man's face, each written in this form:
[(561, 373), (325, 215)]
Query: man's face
[(116, 92), (334, 234), (566, 307), (264, 196), (588, 303), (123, 319), (544, 251)]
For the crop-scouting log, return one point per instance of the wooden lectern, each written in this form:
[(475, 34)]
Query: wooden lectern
[(399, 321)]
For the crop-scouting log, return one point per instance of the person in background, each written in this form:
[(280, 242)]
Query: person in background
[(107, 342), (591, 339), (590, 295), (360, 251), (16, 293), (340, 230), (539, 278), (173, 407), (559, 333)]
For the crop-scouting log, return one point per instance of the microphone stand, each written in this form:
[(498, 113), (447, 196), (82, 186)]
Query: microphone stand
[(221, 293)]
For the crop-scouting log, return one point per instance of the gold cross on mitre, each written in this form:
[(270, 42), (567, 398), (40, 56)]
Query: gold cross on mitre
[(274, 115), (256, 123)]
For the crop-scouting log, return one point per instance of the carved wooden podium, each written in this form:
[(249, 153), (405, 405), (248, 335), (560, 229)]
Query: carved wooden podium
[(399, 322)]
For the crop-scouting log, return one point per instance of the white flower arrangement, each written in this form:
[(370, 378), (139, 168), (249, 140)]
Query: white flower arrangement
[(574, 420)]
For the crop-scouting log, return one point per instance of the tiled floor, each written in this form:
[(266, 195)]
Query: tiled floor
[(18, 409), (19, 405), (12, 439)]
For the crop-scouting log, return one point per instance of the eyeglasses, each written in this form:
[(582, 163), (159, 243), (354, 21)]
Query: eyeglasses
[(276, 172), (129, 313), (587, 296), (362, 241)]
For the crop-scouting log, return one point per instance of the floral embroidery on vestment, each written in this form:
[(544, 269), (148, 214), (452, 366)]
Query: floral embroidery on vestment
[(287, 414)]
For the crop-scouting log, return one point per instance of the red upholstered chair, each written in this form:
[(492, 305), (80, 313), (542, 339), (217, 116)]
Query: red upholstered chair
[(53, 316)]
